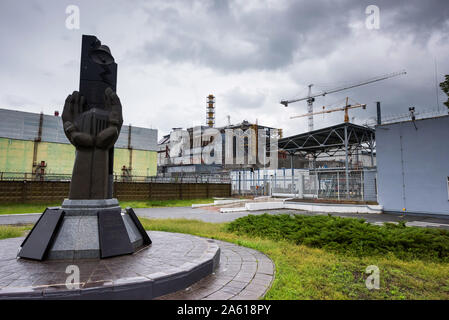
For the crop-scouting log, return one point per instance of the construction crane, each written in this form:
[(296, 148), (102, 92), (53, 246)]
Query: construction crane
[(311, 97), (345, 109)]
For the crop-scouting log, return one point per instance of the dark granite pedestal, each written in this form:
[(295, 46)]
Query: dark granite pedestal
[(173, 262), (87, 229)]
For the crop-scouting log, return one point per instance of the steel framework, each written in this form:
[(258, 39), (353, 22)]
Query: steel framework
[(345, 137)]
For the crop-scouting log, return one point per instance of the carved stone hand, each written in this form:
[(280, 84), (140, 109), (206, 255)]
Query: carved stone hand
[(73, 107), (106, 138)]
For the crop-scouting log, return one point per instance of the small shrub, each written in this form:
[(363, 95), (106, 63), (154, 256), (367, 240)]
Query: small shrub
[(348, 235)]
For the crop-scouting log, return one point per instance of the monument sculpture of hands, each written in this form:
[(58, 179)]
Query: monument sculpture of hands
[(90, 223), (108, 136), (75, 105), (93, 131)]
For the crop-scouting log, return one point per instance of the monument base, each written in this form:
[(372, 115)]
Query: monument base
[(84, 229)]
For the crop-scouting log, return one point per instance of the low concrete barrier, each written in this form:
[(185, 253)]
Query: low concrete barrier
[(334, 208), (199, 205), (219, 202), (228, 201), (304, 206), (255, 206)]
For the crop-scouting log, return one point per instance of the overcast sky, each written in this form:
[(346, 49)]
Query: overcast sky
[(249, 54)]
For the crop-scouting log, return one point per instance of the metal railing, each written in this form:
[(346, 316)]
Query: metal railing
[(29, 176), (327, 184), (160, 178)]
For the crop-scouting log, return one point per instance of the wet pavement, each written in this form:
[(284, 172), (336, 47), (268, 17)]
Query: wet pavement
[(212, 214), (175, 266)]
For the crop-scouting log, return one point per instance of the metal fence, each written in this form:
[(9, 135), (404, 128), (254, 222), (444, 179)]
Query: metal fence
[(307, 184), (30, 176), (184, 177)]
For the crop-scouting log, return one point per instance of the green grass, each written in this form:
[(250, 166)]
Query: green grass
[(348, 236), (303, 272), (13, 231), (16, 208)]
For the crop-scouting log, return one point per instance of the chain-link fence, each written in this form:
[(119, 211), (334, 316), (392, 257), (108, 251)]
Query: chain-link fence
[(358, 185)]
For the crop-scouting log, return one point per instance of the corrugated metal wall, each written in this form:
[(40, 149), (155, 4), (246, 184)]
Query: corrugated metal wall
[(17, 156), (144, 163), (25, 125), (18, 130)]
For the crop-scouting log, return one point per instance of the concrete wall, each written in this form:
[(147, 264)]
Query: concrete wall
[(18, 130), (21, 125), (413, 166), (144, 163), (17, 156)]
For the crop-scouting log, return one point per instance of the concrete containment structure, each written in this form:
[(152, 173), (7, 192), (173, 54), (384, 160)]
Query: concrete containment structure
[(413, 166), (32, 141)]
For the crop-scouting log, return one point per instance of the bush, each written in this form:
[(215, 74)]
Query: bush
[(348, 235)]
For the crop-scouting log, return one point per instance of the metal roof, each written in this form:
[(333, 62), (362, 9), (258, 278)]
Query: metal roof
[(329, 140), (419, 117)]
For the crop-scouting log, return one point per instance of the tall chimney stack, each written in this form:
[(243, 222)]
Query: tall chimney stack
[(210, 111)]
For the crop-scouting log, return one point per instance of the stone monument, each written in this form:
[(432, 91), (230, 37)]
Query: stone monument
[(90, 223)]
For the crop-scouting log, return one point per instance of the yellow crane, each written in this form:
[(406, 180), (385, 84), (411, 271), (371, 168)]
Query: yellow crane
[(311, 97), (345, 109)]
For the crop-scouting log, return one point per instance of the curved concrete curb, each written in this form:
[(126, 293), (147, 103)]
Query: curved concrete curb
[(243, 274)]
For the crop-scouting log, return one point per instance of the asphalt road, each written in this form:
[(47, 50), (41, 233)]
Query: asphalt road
[(213, 215)]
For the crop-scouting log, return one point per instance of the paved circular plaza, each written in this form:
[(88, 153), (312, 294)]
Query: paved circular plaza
[(243, 274), (175, 266)]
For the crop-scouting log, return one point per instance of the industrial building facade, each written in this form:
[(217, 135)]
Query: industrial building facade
[(413, 166), (191, 159), (36, 144)]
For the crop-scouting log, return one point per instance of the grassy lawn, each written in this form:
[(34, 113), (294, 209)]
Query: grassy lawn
[(14, 208), (13, 231), (319, 270), (303, 272)]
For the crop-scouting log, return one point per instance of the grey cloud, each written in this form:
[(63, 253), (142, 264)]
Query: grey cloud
[(414, 17), (18, 101), (239, 98), (305, 28), (219, 45), (258, 39)]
